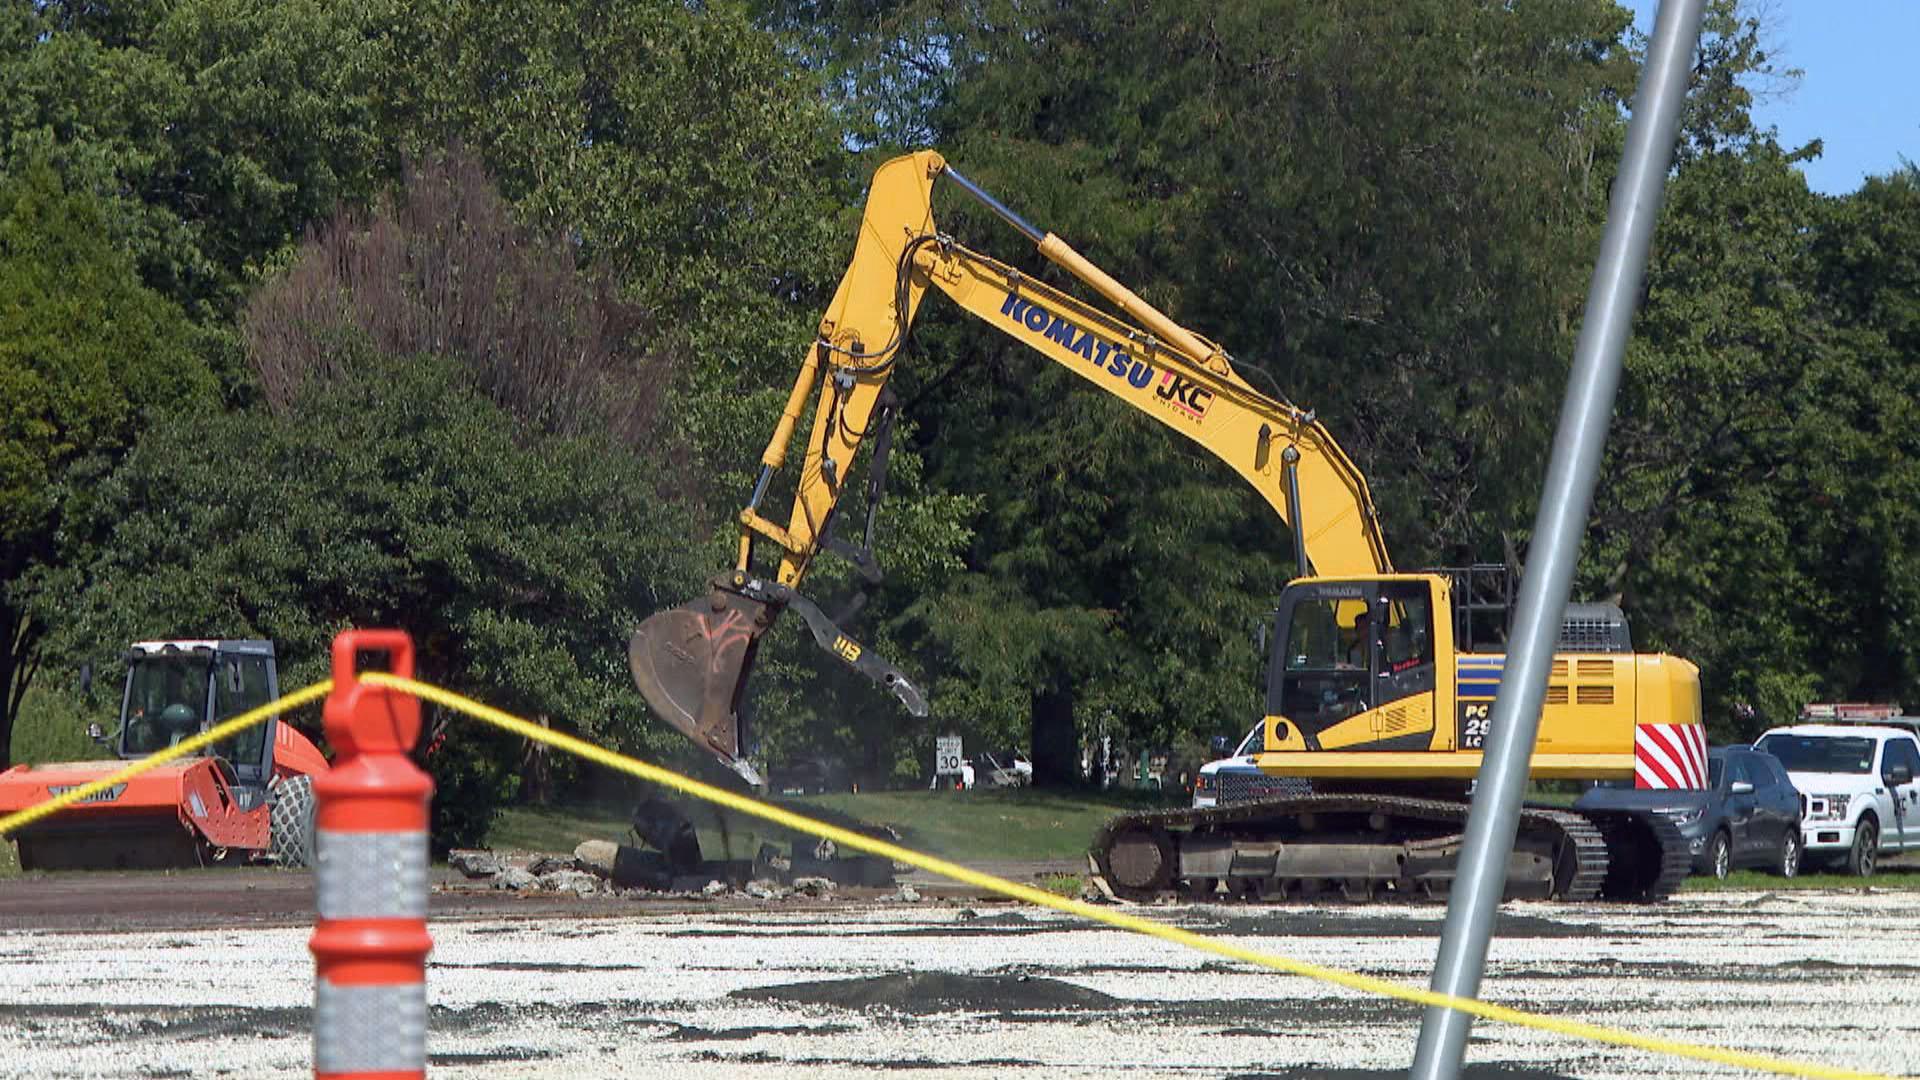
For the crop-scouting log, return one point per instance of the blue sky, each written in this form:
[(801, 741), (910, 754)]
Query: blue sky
[(1860, 93)]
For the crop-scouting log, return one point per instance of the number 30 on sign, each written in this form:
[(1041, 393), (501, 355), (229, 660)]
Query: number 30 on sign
[(947, 755)]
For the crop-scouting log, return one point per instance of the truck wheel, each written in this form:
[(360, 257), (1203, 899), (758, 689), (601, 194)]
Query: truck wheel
[(1790, 849), (291, 842), (1866, 848), (1721, 857)]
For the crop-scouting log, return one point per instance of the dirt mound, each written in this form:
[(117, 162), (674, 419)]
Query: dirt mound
[(922, 993)]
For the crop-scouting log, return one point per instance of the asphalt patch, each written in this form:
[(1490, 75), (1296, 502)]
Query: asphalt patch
[(688, 1033), (925, 993), (1467, 1073), (544, 967), (1322, 923), (863, 1064), (490, 1057), (163, 1021)]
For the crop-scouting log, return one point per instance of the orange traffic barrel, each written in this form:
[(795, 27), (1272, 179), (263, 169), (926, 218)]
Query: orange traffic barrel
[(370, 941)]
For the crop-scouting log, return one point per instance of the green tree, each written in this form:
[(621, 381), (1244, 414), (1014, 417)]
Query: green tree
[(217, 129), (398, 496), (85, 352), (1755, 477), (886, 66), (460, 437), (443, 267), (1856, 506), (1692, 531), (686, 157), (692, 162)]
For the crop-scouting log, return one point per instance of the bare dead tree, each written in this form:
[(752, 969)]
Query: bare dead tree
[(442, 268)]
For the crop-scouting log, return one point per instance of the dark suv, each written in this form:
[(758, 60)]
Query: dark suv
[(1749, 815)]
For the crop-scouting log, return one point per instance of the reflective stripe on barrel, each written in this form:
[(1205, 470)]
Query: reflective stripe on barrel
[(366, 875), (369, 1029)]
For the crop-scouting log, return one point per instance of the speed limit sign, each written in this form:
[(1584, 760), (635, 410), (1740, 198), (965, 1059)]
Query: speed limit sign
[(947, 755)]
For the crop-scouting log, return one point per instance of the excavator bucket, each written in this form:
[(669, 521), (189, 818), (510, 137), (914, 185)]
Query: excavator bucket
[(691, 664)]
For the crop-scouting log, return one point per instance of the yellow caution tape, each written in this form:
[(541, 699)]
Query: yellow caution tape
[(1351, 980), (1014, 890), (226, 729)]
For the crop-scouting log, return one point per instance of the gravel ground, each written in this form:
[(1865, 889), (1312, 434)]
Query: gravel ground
[(970, 988)]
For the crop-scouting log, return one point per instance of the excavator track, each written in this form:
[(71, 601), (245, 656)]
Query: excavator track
[(1649, 857), (1367, 847)]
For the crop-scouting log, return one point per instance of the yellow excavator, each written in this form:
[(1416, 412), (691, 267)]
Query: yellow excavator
[(1373, 698)]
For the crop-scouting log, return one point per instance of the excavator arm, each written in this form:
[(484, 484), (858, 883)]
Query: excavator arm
[(691, 663), (1282, 450)]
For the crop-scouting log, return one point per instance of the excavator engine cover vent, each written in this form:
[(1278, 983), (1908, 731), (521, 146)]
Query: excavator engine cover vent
[(1594, 628)]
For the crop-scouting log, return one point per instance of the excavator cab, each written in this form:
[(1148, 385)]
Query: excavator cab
[(1346, 648)]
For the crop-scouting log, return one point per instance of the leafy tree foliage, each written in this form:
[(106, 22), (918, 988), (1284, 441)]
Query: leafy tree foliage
[(218, 129), (444, 268), (85, 351), (507, 501), (688, 160), (396, 496), (1691, 532), (1759, 473), (1860, 446), (680, 153)]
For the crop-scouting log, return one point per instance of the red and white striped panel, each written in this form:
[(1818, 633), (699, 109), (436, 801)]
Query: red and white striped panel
[(1670, 756)]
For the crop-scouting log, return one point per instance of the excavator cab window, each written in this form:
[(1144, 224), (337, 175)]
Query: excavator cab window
[(1405, 665), (1344, 649), (1325, 648)]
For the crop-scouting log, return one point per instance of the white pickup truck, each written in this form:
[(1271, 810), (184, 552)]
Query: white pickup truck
[(1860, 789), (1236, 779)]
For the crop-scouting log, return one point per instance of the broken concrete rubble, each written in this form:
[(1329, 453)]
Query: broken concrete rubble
[(542, 865), (813, 886), (516, 878), (475, 864), (596, 857), (574, 881), (666, 858)]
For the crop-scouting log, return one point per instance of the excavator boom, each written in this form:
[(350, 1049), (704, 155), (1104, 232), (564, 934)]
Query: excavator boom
[(692, 663)]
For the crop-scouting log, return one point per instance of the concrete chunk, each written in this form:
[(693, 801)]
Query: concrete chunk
[(596, 857)]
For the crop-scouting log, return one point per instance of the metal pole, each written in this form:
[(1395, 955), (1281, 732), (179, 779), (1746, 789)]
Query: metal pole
[(1561, 520)]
